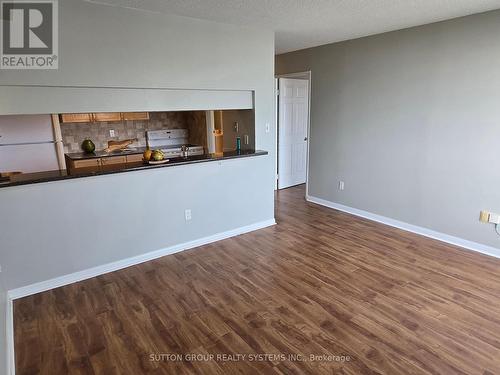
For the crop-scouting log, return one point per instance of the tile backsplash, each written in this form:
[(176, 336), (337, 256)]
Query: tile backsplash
[(73, 134), (197, 126)]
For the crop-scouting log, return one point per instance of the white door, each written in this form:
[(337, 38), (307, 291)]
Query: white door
[(292, 128)]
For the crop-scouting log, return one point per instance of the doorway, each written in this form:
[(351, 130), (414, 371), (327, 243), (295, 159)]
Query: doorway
[(293, 112)]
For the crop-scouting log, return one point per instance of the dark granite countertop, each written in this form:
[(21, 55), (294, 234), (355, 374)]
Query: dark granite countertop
[(103, 154), (48, 176)]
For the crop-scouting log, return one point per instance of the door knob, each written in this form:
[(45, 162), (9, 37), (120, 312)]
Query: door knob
[(305, 139)]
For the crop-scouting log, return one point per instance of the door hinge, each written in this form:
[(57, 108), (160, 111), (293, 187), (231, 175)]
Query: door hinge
[(277, 92)]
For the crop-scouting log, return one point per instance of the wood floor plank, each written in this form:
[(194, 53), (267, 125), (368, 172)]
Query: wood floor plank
[(320, 284)]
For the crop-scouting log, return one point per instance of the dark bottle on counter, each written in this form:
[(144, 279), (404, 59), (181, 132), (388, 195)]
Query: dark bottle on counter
[(238, 144)]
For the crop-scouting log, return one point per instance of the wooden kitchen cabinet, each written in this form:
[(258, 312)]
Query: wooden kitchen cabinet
[(76, 117), (134, 158), (135, 115), (100, 164), (87, 163), (111, 160), (107, 116), (103, 116)]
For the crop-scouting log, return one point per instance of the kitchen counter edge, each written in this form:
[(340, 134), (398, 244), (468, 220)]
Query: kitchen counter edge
[(49, 176)]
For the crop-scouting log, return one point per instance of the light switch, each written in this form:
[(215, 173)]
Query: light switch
[(494, 218)]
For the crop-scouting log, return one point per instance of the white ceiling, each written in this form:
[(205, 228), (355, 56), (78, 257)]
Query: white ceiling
[(307, 23)]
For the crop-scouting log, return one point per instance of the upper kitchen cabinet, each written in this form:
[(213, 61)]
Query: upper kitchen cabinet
[(76, 117), (107, 116), (135, 115), (103, 116)]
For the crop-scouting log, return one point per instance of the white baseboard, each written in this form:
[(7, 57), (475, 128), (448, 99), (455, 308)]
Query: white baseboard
[(457, 241), (114, 266)]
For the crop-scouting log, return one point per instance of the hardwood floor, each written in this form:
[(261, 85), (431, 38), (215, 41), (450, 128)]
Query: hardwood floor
[(321, 282)]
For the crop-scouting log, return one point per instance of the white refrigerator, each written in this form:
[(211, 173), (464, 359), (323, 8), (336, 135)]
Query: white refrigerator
[(27, 144)]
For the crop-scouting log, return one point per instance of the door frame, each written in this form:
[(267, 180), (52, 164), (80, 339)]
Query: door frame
[(306, 75)]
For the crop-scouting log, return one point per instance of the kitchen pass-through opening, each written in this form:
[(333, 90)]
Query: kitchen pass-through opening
[(45, 142)]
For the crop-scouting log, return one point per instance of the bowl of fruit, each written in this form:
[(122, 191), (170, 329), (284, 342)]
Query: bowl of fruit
[(154, 157)]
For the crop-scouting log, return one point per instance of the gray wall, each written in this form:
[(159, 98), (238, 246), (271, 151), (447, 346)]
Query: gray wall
[(72, 225), (245, 120), (410, 120), (61, 227), (116, 47)]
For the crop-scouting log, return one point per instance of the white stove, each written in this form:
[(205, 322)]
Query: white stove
[(173, 143)]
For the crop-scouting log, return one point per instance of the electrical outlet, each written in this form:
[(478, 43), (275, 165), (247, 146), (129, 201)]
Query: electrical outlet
[(246, 138), (268, 127), (484, 216), (111, 133), (187, 214), (341, 185)]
